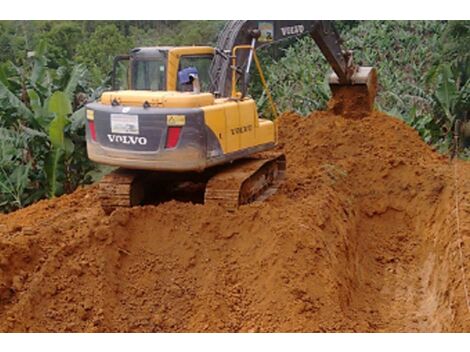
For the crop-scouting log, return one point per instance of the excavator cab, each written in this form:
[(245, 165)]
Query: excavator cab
[(161, 68)]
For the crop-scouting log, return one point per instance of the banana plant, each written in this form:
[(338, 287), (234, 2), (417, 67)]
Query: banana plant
[(60, 106), (451, 97), (46, 116), (24, 93), (36, 102), (446, 93)]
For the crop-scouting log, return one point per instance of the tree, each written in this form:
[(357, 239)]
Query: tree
[(62, 42), (98, 50)]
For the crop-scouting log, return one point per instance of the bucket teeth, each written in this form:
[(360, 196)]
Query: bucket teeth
[(363, 75)]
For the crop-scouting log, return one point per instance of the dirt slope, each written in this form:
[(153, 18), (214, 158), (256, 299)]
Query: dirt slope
[(362, 236)]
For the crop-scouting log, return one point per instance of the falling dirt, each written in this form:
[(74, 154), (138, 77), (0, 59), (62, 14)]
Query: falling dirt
[(365, 234)]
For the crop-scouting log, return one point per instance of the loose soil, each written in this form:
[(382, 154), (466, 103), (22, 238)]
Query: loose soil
[(363, 235)]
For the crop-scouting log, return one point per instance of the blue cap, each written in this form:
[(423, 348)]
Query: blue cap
[(184, 74)]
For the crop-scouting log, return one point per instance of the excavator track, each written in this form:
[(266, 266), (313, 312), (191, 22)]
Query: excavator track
[(121, 188), (246, 181)]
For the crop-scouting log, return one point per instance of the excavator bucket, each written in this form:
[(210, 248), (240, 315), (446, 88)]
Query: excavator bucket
[(356, 98)]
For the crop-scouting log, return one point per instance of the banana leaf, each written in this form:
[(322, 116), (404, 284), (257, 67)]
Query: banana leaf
[(77, 75), (446, 92), (39, 66), (61, 107), (9, 97)]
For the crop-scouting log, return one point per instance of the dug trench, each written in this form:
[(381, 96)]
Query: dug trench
[(370, 231)]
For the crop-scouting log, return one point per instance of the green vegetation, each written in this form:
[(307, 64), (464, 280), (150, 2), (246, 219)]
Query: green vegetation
[(49, 69), (42, 145)]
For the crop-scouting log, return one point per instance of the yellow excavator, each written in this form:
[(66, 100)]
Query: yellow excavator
[(186, 127)]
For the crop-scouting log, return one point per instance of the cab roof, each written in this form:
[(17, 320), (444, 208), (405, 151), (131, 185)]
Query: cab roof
[(163, 50)]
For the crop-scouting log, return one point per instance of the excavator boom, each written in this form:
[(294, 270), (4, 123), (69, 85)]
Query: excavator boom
[(266, 33)]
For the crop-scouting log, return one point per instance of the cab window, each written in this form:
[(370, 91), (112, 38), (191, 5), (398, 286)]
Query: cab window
[(202, 63), (148, 74)]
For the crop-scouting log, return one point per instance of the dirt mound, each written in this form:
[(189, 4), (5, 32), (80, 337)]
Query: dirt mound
[(362, 236)]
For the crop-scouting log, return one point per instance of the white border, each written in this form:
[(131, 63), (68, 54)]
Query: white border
[(234, 342), (205, 9), (237, 9)]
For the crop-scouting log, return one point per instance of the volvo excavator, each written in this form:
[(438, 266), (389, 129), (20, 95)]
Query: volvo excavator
[(186, 121)]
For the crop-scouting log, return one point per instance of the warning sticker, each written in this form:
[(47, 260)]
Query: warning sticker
[(176, 120)]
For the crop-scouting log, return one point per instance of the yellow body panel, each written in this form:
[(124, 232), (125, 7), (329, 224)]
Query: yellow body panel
[(214, 117), (232, 122), (174, 55), (266, 132), (237, 126), (158, 98), (248, 118)]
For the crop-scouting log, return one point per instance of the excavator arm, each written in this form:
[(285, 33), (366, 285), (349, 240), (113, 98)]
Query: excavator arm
[(260, 34)]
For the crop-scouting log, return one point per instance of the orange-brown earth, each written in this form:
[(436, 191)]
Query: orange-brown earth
[(363, 235)]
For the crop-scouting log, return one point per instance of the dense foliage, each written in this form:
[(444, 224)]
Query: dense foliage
[(49, 69), (42, 145)]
